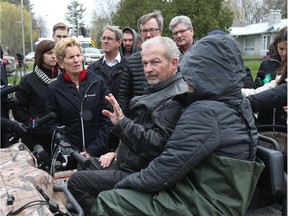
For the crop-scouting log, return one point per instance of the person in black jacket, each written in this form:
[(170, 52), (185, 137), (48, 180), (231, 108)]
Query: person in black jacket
[(269, 67), (217, 123), (143, 136), (110, 66), (133, 80), (77, 98), (269, 104), (33, 95), (269, 99)]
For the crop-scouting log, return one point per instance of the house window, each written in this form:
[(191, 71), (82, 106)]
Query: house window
[(249, 44), (266, 41)]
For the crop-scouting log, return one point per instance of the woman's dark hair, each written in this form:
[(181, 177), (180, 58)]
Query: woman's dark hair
[(283, 73), (280, 37), (43, 47)]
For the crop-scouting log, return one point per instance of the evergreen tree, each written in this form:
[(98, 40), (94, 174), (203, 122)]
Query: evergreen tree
[(205, 15), (74, 16)]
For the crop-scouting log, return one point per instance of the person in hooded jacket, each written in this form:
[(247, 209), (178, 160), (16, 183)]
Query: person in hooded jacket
[(129, 43), (34, 93), (208, 166)]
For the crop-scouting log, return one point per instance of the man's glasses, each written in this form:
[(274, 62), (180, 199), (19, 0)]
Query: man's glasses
[(109, 39), (152, 31), (180, 31)]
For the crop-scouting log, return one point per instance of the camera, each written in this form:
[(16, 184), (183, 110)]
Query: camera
[(20, 59)]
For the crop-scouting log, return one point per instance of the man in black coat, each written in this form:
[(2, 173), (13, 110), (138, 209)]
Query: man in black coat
[(145, 133), (217, 123), (110, 66), (133, 80), (273, 99)]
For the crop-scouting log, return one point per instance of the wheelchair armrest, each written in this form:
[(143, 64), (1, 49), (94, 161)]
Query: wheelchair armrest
[(270, 140), (272, 179)]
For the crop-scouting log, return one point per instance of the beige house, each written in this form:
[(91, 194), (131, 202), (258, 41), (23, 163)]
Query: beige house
[(254, 39)]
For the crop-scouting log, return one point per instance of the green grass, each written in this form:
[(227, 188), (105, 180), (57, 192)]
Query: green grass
[(254, 66), (252, 57), (253, 62), (15, 78)]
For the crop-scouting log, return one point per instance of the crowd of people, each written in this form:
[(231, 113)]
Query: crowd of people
[(165, 122)]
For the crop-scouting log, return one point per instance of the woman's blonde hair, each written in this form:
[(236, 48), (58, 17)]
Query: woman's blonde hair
[(61, 46)]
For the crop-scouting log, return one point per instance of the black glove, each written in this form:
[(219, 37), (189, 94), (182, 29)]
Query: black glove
[(17, 129)]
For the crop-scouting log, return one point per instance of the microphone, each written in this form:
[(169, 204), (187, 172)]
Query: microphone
[(9, 89), (45, 119)]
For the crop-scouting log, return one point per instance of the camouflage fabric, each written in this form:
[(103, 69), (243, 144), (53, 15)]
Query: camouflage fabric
[(18, 175)]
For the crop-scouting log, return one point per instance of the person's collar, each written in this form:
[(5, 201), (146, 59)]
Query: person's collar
[(114, 61), (82, 76)]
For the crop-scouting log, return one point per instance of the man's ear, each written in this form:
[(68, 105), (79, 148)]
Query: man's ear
[(174, 63)]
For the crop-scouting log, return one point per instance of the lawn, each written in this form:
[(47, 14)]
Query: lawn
[(254, 66), (253, 62)]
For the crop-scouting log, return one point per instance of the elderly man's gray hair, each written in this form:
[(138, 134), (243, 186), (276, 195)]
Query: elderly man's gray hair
[(180, 19), (171, 49)]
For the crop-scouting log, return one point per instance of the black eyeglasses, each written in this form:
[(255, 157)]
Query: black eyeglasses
[(109, 39), (180, 31), (152, 31)]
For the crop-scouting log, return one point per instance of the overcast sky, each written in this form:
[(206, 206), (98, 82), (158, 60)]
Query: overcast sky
[(53, 11)]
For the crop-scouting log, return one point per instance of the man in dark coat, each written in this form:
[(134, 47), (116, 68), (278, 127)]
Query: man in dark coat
[(110, 66), (133, 80), (275, 97), (143, 136), (217, 127)]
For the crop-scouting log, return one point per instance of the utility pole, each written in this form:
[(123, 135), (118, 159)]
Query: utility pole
[(23, 33), (31, 39)]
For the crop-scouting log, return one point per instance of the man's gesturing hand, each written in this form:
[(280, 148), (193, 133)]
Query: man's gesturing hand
[(117, 115)]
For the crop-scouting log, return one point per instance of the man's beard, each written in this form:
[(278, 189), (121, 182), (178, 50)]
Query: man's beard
[(128, 48)]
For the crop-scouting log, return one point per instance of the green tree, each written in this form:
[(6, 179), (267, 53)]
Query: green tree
[(11, 28), (205, 15), (74, 16)]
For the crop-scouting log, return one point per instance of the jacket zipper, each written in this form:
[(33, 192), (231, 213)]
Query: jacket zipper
[(81, 117)]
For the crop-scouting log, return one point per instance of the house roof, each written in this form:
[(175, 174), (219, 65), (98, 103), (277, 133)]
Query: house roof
[(258, 28)]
